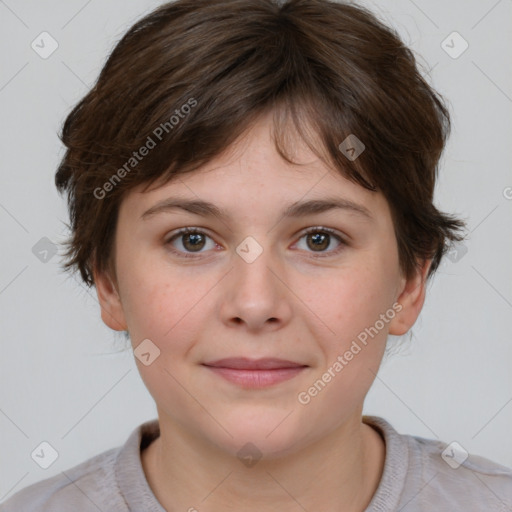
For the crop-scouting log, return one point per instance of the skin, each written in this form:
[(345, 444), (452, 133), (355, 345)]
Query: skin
[(287, 304)]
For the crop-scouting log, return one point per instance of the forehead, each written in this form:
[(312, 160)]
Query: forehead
[(252, 176)]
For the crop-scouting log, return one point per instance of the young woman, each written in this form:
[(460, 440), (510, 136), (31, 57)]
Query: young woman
[(250, 185)]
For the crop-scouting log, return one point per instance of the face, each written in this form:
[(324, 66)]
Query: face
[(261, 278)]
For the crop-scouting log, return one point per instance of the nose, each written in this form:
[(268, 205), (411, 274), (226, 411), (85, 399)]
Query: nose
[(255, 295)]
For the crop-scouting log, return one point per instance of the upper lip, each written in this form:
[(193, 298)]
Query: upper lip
[(244, 363)]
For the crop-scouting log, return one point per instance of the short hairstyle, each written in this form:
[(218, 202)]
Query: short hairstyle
[(192, 76)]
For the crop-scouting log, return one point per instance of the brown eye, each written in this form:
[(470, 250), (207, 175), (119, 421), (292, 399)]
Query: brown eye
[(188, 241), (318, 241), (193, 241)]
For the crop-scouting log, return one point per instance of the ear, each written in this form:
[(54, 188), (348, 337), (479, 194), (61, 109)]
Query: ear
[(411, 298), (112, 312)]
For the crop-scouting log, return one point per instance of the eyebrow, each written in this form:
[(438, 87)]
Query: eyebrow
[(297, 209)]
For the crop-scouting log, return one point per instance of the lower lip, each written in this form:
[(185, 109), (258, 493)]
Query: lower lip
[(257, 378)]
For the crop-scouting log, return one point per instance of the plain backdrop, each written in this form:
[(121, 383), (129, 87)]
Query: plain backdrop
[(64, 377)]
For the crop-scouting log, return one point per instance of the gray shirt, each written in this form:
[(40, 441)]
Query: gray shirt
[(417, 477)]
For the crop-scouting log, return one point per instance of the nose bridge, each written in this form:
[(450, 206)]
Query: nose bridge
[(252, 262)]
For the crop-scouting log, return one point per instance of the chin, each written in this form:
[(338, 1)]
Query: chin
[(271, 434)]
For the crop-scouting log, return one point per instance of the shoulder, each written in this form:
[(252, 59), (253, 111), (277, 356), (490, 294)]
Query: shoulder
[(436, 473), (82, 488), (474, 480), (112, 480)]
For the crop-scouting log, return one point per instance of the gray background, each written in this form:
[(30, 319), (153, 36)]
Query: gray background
[(64, 377)]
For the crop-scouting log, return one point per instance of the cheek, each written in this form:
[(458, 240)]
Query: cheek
[(167, 309), (352, 300), (360, 305), (166, 304), (350, 305)]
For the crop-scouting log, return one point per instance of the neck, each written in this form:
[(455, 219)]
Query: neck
[(339, 472)]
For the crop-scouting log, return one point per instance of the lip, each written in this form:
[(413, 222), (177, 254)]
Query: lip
[(245, 363), (255, 373)]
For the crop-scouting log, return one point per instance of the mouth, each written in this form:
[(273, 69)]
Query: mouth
[(255, 373)]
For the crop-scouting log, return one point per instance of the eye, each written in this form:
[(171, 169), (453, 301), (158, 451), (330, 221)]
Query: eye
[(318, 239), (192, 240)]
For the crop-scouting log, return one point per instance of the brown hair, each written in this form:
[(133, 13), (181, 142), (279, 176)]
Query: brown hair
[(189, 78)]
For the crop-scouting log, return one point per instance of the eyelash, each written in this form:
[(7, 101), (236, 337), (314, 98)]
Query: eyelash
[(317, 229)]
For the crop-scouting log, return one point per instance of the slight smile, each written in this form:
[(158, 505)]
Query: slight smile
[(255, 373)]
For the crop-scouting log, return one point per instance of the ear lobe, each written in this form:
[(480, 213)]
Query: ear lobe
[(112, 312), (411, 298)]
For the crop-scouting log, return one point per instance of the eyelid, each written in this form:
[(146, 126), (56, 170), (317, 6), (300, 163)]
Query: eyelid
[(331, 231)]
